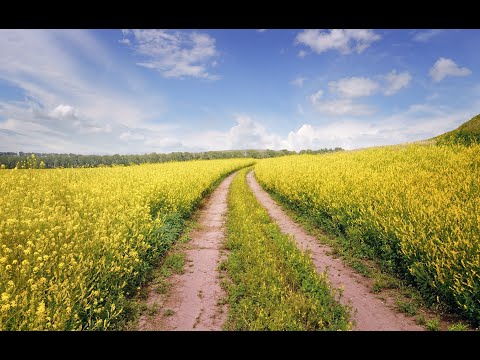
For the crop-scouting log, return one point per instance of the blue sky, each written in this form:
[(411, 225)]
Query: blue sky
[(140, 91)]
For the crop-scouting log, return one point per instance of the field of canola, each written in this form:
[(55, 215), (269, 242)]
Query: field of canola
[(415, 208), (75, 242)]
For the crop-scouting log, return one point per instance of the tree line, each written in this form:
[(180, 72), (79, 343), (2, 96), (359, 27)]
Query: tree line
[(11, 160)]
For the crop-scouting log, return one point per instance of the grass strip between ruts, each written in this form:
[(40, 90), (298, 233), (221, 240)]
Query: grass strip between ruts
[(272, 284)]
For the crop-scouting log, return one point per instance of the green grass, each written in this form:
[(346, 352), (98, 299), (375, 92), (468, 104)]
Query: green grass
[(433, 325), (168, 312), (382, 282), (162, 287), (272, 284), (407, 307), (153, 310), (458, 327), (173, 263), (466, 134), (420, 320)]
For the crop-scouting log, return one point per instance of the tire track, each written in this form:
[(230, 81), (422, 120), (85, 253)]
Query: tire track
[(195, 295), (370, 313)]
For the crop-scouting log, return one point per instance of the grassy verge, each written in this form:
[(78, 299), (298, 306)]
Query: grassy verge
[(404, 297), (272, 285)]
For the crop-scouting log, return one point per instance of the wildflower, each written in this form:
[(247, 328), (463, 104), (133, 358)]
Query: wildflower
[(41, 309)]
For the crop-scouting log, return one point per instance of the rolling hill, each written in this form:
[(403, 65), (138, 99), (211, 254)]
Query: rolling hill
[(466, 134)]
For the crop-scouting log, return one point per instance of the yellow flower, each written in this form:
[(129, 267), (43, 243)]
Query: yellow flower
[(41, 309), (77, 217)]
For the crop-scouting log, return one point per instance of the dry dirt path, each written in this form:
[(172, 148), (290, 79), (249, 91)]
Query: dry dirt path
[(195, 294), (370, 313)]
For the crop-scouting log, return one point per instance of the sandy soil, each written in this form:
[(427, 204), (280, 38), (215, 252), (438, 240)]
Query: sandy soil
[(195, 294), (370, 312)]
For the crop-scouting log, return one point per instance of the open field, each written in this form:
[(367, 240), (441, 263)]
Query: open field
[(74, 243), (78, 245), (412, 208)]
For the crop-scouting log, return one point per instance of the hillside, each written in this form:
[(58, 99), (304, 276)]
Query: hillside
[(466, 134)]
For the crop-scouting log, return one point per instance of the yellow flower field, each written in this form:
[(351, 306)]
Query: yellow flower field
[(415, 207), (75, 242)]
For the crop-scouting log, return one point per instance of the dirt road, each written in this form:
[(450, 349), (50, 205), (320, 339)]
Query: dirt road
[(194, 300), (370, 312)]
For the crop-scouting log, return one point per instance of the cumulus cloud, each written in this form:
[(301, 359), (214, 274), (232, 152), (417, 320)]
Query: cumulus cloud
[(174, 54), (343, 91), (418, 122), (447, 67), (345, 134), (396, 82), (64, 112), (353, 87), (250, 134), (343, 40), (346, 89)]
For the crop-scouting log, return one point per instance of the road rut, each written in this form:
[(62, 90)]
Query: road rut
[(370, 312)]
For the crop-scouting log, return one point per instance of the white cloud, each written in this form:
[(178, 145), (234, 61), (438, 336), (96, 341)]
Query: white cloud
[(64, 108), (315, 98), (424, 36), (447, 67), (298, 81), (345, 134), (346, 89), (175, 54), (353, 87), (419, 122), (426, 109), (302, 54), (343, 40), (124, 41), (261, 30), (396, 82), (64, 112), (338, 107), (249, 134), (129, 135)]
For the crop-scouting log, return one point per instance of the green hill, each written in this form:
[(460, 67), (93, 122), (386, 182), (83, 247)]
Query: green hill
[(466, 134)]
